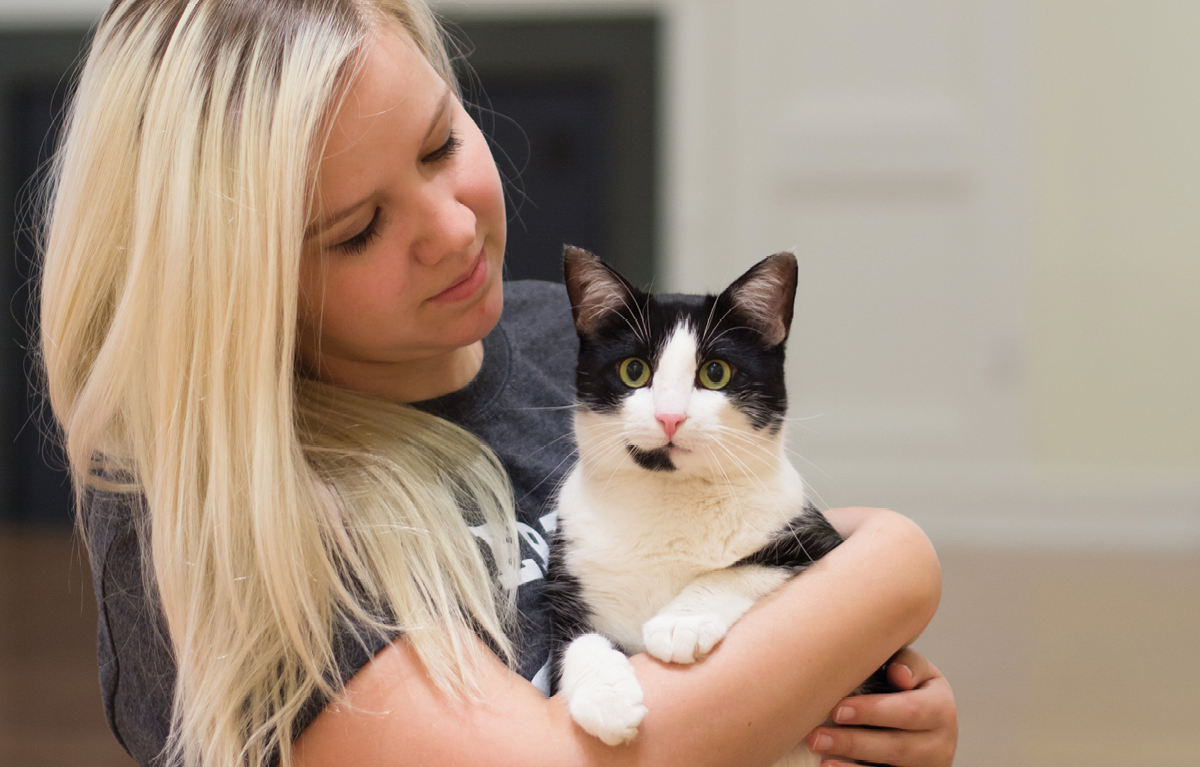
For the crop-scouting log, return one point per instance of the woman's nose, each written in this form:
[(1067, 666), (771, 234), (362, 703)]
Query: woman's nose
[(448, 229)]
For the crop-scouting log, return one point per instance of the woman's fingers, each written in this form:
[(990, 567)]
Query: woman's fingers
[(892, 747), (926, 708), (909, 668), (921, 722), (926, 703)]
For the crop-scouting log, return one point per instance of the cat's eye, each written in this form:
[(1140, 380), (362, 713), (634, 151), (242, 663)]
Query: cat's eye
[(634, 372), (715, 374)]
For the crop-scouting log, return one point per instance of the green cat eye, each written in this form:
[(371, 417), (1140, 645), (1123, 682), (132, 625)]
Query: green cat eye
[(634, 372), (715, 374)]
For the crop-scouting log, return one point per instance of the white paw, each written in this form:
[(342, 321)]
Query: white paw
[(602, 690), (682, 638)]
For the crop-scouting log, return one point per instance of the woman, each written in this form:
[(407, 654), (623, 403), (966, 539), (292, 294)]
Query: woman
[(272, 226)]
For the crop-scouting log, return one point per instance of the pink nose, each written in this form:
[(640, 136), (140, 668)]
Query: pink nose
[(670, 423)]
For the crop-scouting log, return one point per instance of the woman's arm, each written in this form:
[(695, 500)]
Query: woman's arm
[(781, 668)]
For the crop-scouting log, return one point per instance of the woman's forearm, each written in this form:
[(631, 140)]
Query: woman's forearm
[(773, 678), (791, 658)]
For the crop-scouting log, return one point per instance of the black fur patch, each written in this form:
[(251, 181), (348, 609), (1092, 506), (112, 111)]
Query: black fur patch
[(652, 460), (569, 613), (804, 540)]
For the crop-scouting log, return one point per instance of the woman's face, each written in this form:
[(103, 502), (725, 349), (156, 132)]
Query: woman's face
[(405, 245)]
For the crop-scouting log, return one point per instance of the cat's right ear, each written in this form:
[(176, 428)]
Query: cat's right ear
[(595, 290)]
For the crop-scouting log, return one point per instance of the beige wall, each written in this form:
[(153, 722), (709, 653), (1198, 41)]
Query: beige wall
[(995, 206), (1115, 373)]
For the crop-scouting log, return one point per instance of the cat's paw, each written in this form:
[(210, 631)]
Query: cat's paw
[(602, 690), (682, 638)]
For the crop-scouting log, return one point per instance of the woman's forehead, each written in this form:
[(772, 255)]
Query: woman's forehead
[(395, 84), (391, 107)]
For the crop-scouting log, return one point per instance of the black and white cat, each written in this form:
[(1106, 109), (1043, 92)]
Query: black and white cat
[(683, 508)]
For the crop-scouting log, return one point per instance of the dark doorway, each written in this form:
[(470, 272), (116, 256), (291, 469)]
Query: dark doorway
[(571, 107)]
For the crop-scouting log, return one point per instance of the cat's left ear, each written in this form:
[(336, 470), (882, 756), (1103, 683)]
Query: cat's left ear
[(764, 296)]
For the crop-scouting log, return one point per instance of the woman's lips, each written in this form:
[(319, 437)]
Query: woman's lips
[(468, 284)]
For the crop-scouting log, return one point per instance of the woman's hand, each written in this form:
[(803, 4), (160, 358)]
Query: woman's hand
[(921, 722)]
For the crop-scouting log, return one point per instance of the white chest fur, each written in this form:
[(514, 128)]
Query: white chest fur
[(635, 539)]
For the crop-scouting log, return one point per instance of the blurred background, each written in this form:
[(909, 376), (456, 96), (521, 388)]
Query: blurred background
[(996, 208)]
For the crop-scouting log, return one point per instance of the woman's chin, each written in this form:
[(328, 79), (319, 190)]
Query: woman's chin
[(481, 316)]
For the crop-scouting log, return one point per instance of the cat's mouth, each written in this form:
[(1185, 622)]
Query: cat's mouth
[(654, 459)]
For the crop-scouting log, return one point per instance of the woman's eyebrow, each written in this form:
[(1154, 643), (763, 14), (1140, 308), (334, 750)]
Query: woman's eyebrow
[(329, 221), (439, 112)]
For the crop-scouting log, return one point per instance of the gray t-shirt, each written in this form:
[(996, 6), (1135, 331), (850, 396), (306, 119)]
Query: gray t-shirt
[(518, 405)]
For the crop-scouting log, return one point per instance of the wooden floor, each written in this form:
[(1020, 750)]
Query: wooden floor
[(1057, 660), (1071, 659), (50, 712)]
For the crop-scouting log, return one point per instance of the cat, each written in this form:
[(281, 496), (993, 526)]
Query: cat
[(683, 509)]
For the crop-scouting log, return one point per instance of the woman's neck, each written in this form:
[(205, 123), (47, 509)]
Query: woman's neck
[(408, 381)]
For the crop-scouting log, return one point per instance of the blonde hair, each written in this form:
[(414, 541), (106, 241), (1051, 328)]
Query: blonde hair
[(277, 511)]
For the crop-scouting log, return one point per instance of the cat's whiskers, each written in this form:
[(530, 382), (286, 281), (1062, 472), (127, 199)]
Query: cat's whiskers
[(562, 480), (708, 321), (748, 472), (574, 454), (639, 324), (750, 442), (799, 421), (728, 330), (707, 325), (732, 496), (754, 444), (606, 450), (643, 317), (785, 514)]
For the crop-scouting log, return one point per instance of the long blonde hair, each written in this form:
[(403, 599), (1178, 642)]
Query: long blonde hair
[(273, 511)]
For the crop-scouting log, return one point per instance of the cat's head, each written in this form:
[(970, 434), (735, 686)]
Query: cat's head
[(678, 383)]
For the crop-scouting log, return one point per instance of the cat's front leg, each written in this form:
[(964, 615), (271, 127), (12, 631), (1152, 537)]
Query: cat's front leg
[(602, 690), (693, 622)]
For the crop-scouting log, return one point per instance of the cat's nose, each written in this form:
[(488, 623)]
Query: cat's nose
[(670, 423)]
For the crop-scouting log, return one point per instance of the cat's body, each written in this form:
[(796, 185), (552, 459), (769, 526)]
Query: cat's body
[(683, 509)]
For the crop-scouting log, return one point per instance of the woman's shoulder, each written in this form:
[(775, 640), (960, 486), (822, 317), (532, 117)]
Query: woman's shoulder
[(137, 670), (537, 305), (537, 321)]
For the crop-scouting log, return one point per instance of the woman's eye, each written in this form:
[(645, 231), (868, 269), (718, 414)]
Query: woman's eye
[(635, 373), (446, 150), (715, 374), (360, 241)]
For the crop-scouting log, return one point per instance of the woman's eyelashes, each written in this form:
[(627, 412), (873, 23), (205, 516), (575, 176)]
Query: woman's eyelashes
[(360, 241), (446, 150)]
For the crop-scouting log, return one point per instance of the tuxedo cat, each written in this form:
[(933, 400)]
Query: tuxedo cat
[(683, 509)]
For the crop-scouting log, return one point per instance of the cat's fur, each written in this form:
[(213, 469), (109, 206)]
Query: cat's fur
[(683, 509)]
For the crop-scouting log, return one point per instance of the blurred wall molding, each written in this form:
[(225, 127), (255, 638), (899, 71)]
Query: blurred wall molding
[(904, 147), (1024, 506)]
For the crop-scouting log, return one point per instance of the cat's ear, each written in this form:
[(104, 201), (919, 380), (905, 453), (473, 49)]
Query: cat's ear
[(764, 296), (596, 291)]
